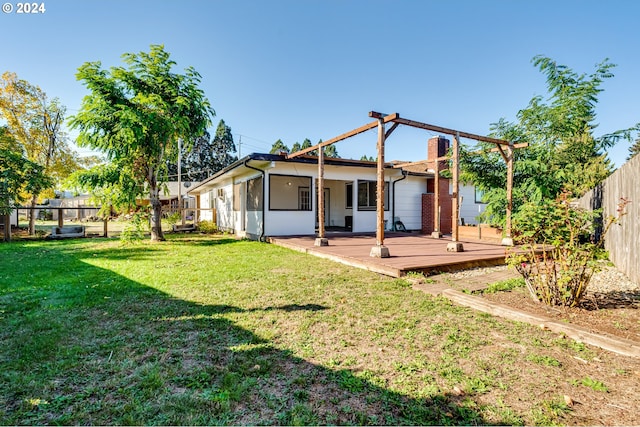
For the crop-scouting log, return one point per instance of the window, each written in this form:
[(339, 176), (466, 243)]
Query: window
[(304, 199), (254, 194), (212, 202), (479, 195), (221, 194), (349, 191), (289, 193), (367, 195)]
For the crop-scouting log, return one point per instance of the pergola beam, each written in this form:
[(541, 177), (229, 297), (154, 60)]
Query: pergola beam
[(361, 129), (448, 131)]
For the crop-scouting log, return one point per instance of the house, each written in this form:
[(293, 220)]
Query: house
[(269, 195)]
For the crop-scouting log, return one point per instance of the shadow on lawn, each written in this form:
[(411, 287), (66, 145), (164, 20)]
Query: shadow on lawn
[(94, 347)]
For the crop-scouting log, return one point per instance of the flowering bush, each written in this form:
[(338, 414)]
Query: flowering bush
[(558, 257)]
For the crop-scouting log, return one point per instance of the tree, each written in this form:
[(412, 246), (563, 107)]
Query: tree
[(296, 147), (223, 147), (136, 114), (634, 149), (35, 125), (19, 177), (278, 146), (331, 151), (563, 154), (206, 157)]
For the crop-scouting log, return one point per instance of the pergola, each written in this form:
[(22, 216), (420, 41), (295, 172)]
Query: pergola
[(505, 148)]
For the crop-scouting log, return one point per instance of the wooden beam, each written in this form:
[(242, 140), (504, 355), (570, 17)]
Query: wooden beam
[(455, 205), (321, 200), (361, 129), (380, 186), (391, 129), (493, 150), (448, 131), (508, 240)]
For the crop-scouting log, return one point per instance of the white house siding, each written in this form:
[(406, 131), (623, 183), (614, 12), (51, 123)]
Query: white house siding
[(408, 201), (469, 209), (224, 206), (205, 202)]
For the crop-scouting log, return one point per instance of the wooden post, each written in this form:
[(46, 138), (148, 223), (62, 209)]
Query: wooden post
[(436, 201), (180, 204), (321, 239), (455, 245), (379, 250), (60, 217), (507, 240), (105, 227)]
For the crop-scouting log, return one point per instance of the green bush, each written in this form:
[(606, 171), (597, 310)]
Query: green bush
[(208, 227), (557, 258)]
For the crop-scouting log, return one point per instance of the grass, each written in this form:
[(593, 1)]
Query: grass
[(211, 330)]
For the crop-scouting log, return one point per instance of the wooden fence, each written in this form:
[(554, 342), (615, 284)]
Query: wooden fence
[(623, 239)]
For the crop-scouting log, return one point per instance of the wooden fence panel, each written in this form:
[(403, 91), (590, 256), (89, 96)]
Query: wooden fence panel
[(623, 239)]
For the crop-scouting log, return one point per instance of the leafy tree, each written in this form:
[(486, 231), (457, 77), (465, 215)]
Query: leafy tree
[(18, 177), (563, 155), (278, 146), (35, 125), (634, 149), (136, 114)]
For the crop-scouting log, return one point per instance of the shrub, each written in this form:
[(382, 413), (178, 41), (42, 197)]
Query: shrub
[(557, 258), (134, 231), (208, 227)]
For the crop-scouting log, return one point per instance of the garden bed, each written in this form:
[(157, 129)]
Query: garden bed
[(610, 306)]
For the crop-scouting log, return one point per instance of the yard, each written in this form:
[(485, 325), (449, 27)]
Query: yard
[(211, 330)]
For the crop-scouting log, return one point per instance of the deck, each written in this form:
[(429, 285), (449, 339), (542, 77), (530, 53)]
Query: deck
[(409, 252)]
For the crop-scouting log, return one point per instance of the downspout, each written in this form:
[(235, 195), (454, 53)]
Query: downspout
[(393, 200), (246, 164)]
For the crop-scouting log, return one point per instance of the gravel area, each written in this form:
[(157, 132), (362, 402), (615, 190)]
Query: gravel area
[(609, 279)]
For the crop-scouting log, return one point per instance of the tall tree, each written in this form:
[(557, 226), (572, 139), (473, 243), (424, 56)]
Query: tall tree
[(563, 153), (35, 123), (331, 151), (278, 146), (223, 147), (19, 177), (136, 114), (296, 147)]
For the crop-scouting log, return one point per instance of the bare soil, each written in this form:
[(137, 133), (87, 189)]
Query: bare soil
[(614, 313)]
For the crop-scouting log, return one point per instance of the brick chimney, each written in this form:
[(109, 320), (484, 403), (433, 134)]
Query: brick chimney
[(437, 146)]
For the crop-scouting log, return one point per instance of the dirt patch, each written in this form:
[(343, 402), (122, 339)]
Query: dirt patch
[(614, 313)]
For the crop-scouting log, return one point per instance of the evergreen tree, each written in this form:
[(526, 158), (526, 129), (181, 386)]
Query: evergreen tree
[(278, 146)]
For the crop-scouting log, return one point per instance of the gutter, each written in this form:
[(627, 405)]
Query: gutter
[(246, 164), (393, 200)]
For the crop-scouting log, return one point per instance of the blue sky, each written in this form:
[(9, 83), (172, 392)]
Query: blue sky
[(313, 69)]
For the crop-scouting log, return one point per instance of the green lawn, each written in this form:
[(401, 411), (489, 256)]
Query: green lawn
[(211, 330)]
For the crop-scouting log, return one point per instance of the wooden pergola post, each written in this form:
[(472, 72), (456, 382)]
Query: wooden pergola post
[(436, 202), (321, 240), (507, 240), (455, 245), (379, 250)]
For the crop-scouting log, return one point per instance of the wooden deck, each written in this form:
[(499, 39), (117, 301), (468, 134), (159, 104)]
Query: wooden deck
[(409, 252)]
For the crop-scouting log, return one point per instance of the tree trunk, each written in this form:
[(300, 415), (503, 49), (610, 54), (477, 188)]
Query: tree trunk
[(6, 220), (32, 216), (156, 213)]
